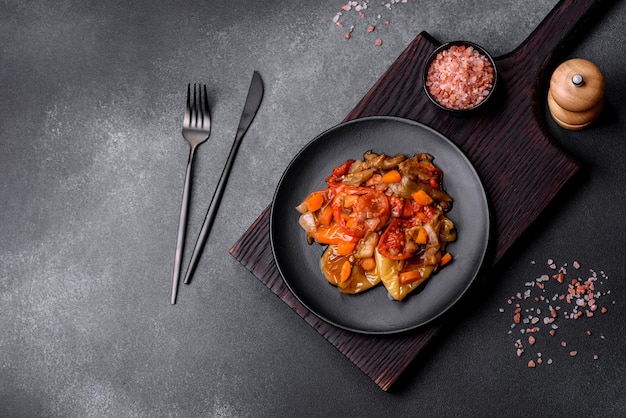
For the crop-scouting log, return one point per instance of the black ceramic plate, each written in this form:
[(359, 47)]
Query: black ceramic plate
[(373, 312)]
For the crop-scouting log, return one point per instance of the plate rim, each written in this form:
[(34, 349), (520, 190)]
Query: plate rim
[(483, 254)]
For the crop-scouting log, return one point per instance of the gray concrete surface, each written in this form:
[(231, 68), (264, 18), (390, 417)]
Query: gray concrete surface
[(91, 173)]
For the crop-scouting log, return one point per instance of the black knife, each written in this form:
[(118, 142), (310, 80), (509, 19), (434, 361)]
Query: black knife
[(253, 101)]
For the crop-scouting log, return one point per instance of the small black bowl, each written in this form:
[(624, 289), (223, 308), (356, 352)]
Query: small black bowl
[(474, 106)]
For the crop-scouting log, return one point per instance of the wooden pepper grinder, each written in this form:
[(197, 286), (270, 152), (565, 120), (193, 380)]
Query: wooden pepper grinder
[(576, 94)]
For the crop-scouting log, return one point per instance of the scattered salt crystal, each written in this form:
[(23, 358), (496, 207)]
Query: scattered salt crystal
[(577, 298)]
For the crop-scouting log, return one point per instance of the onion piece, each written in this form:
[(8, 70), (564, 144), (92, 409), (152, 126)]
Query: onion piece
[(366, 246), (433, 239), (307, 222), (302, 208)]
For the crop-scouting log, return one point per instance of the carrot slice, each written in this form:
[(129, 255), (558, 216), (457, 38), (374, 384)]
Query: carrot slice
[(327, 216), (410, 276), (422, 198), (345, 248), (349, 201), (346, 271), (368, 264), (392, 176), (422, 236), (352, 224), (445, 259), (314, 201), (332, 234)]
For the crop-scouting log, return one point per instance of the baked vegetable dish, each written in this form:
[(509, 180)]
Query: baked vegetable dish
[(383, 221)]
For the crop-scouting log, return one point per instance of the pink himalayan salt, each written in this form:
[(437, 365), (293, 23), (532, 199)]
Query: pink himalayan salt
[(460, 77)]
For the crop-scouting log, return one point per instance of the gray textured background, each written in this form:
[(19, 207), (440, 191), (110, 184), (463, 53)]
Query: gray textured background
[(91, 173)]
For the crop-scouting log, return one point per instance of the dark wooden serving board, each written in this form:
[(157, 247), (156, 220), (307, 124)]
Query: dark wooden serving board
[(522, 169)]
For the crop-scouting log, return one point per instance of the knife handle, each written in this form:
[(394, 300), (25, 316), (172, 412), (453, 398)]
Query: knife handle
[(212, 211)]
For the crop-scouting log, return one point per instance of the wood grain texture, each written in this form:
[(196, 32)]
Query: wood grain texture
[(521, 168)]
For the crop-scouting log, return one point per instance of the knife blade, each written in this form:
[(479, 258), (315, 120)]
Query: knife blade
[(250, 108)]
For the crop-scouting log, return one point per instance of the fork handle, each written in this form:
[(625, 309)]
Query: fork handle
[(212, 211), (182, 225)]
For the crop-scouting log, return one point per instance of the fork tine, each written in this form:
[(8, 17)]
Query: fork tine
[(205, 108), (200, 109), (195, 106), (187, 117), (197, 114)]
